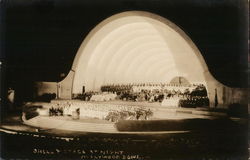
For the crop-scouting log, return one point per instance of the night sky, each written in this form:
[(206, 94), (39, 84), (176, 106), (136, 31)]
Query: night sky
[(39, 38)]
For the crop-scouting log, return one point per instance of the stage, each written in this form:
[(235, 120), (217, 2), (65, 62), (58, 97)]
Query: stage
[(88, 123)]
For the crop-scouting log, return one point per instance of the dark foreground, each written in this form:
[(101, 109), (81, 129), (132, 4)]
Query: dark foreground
[(222, 140)]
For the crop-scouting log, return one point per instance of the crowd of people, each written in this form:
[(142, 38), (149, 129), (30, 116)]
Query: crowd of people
[(194, 102), (137, 87), (56, 111), (145, 92)]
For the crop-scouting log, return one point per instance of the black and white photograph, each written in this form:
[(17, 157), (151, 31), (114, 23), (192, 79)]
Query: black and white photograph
[(124, 79)]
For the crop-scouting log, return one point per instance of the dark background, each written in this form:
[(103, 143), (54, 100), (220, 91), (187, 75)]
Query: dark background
[(39, 38)]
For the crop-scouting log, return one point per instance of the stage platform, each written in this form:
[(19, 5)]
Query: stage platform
[(66, 123), (89, 123)]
